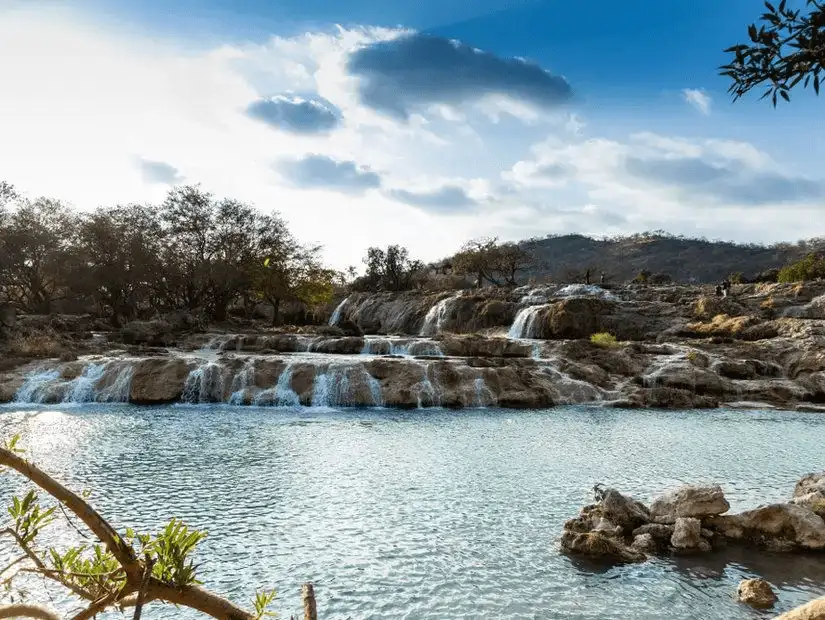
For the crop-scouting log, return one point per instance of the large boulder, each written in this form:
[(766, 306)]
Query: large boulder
[(776, 526), (158, 380), (687, 536), (151, 333), (578, 317), (691, 501), (757, 593), (598, 546), (622, 510), (815, 610)]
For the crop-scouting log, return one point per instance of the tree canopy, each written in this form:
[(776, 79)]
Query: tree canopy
[(787, 48)]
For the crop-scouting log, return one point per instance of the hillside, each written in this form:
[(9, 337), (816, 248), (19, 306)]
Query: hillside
[(565, 258)]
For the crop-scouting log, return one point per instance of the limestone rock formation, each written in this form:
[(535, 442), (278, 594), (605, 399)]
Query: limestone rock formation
[(757, 593), (691, 501), (815, 610)]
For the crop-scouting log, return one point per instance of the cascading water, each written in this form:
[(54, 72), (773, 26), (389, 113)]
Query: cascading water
[(425, 390), (49, 386), (282, 395), (242, 381), (435, 316), (336, 385), (336, 314), (525, 323), (204, 384), (483, 395)]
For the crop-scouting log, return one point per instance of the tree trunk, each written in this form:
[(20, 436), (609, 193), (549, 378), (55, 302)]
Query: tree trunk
[(310, 609), (276, 310)]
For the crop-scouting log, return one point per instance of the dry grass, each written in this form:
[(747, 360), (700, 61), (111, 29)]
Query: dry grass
[(35, 344), (605, 340)]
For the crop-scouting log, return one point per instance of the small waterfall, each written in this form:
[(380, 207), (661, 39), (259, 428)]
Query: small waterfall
[(342, 385), (336, 314), (36, 386), (426, 388), (436, 315), (535, 350), (82, 389), (524, 326), (483, 395), (118, 391), (204, 384), (242, 381), (375, 389), (285, 396)]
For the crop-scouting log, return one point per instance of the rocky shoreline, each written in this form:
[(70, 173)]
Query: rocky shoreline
[(675, 347), (693, 519)]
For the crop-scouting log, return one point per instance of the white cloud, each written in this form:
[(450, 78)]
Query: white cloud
[(94, 116), (698, 98)]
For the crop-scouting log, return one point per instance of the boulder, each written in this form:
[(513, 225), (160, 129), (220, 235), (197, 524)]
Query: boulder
[(691, 501), (757, 593), (644, 543), (152, 333), (659, 531), (779, 526), (598, 546), (687, 535), (810, 492), (620, 509), (158, 380), (815, 610), (578, 317)]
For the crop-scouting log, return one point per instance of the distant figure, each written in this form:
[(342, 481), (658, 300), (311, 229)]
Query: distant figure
[(587, 276), (725, 288), (602, 278), (718, 290)]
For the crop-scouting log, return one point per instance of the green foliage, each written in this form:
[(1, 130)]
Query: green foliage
[(786, 49), (262, 602), (809, 268), (171, 549), (92, 569), (389, 270), (605, 340), (736, 277), (497, 263), (643, 276), (29, 518)]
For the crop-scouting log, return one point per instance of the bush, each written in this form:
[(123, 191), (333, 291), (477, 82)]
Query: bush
[(604, 339), (35, 344), (809, 268)]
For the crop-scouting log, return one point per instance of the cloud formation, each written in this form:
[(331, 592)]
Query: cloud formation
[(413, 71), (323, 172), (446, 199), (698, 98), (159, 172), (292, 113)]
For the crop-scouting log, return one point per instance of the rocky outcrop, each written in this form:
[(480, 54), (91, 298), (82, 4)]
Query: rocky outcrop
[(690, 501), (810, 493), (757, 593), (815, 610), (689, 520), (158, 380)]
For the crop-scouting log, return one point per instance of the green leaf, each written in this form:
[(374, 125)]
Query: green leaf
[(784, 95)]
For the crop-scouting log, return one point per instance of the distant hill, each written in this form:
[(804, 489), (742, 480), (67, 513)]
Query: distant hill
[(566, 257)]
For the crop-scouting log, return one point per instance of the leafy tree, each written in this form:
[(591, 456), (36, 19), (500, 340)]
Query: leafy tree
[(117, 258), (122, 570), (478, 259), (786, 49), (511, 259), (809, 268), (35, 247), (389, 270)]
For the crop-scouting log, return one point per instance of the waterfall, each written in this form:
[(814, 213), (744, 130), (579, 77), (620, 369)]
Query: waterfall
[(49, 386), (524, 326), (336, 314), (336, 386), (436, 315), (243, 380), (204, 384), (36, 386), (375, 389), (282, 395), (483, 394), (426, 388), (82, 389)]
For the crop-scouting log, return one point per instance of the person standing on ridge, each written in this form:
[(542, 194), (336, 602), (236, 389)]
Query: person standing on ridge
[(587, 276)]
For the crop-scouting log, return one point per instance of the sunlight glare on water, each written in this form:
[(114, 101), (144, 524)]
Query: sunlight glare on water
[(434, 514)]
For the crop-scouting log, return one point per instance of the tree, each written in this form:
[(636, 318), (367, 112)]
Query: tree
[(121, 570), (510, 259), (809, 268), (478, 258), (117, 258), (36, 241), (788, 48), (389, 270)]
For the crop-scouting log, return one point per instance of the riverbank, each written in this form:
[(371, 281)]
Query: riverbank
[(675, 347)]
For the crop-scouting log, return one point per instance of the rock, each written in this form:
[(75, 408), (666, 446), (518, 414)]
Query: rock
[(644, 543), (757, 593), (152, 333), (158, 380), (687, 535), (787, 526), (598, 546), (815, 610), (810, 492), (691, 501), (658, 531), (624, 511), (578, 317)]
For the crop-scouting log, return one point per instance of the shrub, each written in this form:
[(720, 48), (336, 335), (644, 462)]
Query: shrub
[(736, 278), (604, 339), (809, 268), (35, 344)]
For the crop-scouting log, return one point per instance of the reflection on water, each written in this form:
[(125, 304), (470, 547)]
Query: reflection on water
[(448, 515)]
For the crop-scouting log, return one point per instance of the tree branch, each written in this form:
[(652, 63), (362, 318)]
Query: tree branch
[(22, 610), (197, 598), (101, 528)]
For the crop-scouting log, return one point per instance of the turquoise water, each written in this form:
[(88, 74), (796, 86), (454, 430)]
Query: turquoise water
[(429, 514)]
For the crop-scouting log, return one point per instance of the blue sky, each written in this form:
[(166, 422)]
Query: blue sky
[(364, 123)]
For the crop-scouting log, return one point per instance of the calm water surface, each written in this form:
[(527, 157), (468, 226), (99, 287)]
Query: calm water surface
[(429, 514)]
